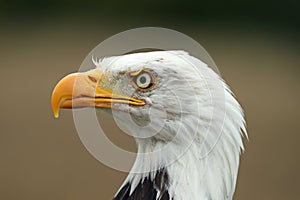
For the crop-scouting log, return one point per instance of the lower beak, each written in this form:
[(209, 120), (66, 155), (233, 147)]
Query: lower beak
[(80, 90)]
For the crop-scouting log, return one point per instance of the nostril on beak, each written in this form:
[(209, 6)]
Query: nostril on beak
[(93, 79)]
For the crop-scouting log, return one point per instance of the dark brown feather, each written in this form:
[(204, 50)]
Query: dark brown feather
[(147, 189)]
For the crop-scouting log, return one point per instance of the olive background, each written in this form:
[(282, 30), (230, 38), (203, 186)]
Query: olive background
[(255, 45)]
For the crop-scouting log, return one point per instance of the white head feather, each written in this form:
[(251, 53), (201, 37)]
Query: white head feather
[(191, 126)]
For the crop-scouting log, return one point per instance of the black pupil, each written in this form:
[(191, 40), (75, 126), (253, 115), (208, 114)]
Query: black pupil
[(143, 80)]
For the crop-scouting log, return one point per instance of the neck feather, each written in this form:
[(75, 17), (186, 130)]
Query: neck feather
[(188, 177)]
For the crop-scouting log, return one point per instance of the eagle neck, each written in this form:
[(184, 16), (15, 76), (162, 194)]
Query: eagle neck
[(188, 177)]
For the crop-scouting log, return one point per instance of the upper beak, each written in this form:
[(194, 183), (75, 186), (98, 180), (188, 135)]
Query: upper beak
[(79, 90)]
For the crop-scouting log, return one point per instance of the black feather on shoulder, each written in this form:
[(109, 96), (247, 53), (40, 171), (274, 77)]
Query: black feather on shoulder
[(147, 189)]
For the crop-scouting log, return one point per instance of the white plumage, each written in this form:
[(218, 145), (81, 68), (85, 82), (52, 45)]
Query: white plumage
[(198, 107)]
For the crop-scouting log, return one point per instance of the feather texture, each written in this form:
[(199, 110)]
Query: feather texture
[(147, 189), (201, 132)]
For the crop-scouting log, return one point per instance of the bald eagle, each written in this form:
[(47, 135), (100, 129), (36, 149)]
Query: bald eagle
[(187, 124)]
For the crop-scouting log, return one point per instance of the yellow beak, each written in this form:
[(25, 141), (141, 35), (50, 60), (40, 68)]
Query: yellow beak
[(80, 90)]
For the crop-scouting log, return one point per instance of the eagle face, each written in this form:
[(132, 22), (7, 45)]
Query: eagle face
[(151, 94)]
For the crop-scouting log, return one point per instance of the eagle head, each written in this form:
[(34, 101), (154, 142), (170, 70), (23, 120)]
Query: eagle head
[(183, 116)]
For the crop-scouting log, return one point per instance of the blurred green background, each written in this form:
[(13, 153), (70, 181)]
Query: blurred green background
[(254, 43)]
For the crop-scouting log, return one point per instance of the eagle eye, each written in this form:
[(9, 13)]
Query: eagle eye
[(143, 79)]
